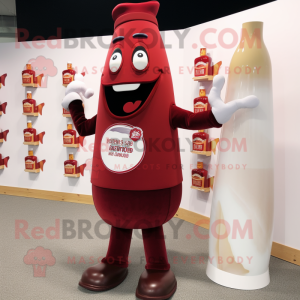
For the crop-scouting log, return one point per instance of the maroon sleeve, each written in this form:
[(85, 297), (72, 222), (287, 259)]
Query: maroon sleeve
[(181, 118), (84, 126)]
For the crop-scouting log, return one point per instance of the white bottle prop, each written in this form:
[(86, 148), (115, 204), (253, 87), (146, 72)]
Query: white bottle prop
[(241, 221)]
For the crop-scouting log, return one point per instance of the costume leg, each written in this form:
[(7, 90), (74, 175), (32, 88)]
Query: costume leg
[(113, 268), (157, 281), (118, 248), (155, 249)]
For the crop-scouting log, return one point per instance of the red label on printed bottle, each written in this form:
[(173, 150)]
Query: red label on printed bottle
[(28, 137), (27, 108), (68, 139), (197, 180), (201, 69), (26, 80), (69, 169), (29, 164), (200, 107), (198, 147), (67, 78)]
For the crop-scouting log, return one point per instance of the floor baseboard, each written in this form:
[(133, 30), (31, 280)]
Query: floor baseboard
[(284, 252)]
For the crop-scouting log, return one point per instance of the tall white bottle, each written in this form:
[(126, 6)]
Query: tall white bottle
[(242, 209)]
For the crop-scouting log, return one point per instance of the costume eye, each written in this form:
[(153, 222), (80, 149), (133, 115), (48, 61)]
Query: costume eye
[(115, 60), (140, 58)]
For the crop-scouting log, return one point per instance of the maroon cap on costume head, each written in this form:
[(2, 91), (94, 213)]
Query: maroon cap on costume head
[(126, 12)]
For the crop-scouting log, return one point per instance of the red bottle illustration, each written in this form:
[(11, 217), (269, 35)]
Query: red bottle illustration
[(2, 80), (29, 78), (201, 103), (30, 136), (70, 139), (3, 162), (70, 165), (71, 169), (3, 108), (68, 75), (199, 176), (28, 75), (202, 65), (201, 141), (31, 163), (3, 135), (30, 108)]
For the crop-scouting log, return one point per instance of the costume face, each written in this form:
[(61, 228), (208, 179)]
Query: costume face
[(135, 97), (134, 64)]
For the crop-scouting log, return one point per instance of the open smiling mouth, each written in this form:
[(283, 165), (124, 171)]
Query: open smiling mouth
[(125, 99)]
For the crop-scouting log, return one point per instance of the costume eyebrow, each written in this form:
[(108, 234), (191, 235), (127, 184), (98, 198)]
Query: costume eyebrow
[(118, 38), (140, 35)]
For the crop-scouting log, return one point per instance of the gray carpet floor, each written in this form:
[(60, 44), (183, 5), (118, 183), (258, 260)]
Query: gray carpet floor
[(17, 280)]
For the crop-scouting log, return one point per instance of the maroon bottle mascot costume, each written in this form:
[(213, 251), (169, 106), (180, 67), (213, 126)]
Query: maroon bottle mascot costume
[(136, 173)]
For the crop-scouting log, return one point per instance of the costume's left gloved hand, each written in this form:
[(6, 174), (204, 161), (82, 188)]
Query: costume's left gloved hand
[(221, 111), (76, 90)]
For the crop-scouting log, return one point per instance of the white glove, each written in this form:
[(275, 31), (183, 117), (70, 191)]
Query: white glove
[(76, 90), (222, 111)]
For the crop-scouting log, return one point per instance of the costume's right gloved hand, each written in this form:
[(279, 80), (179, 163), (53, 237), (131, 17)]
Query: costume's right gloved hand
[(221, 111), (76, 90)]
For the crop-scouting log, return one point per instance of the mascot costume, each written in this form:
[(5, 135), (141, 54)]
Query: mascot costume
[(136, 172)]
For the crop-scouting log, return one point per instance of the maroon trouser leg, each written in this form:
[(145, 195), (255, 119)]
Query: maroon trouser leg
[(155, 249), (154, 244), (118, 248)]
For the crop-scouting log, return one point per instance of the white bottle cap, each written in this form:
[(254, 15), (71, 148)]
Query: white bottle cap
[(29, 121), (202, 88), (69, 62), (30, 149), (28, 92), (28, 63), (70, 123)]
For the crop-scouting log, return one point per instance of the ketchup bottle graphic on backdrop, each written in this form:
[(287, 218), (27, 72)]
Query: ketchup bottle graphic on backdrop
[(136, 172)]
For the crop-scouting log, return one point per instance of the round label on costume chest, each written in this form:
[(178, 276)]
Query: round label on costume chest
[(122, 148)]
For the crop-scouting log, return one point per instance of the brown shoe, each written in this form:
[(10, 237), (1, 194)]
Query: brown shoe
[(102, 277), (155, 284)]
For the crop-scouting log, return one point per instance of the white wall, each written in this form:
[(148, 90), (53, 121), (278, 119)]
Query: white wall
[(280, 35)]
